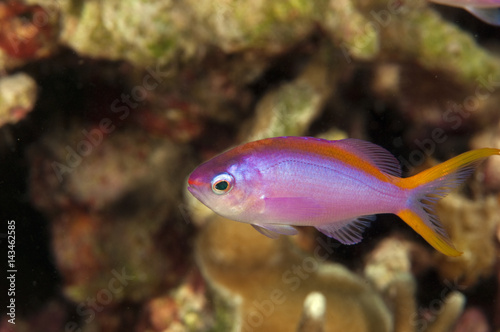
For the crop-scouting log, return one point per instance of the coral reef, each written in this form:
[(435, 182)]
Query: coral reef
[(265, 289), (472, 226), (184, 308), (293, 106), (268, 287), (120, 100), (389, 267), (99, 224), (364, 30)]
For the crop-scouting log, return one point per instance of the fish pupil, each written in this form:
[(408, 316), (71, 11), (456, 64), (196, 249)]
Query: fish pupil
[(222, 185)]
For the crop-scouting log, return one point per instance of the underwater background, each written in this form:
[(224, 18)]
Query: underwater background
[(107, 106)]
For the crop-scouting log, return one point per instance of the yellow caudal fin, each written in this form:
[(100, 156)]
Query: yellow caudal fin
[(436, 236), (427, 187)]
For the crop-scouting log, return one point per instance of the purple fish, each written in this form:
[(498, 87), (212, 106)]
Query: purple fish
[(485, 10), (335, 186)]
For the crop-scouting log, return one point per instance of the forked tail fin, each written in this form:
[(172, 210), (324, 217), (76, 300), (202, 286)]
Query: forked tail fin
[(431, 185)]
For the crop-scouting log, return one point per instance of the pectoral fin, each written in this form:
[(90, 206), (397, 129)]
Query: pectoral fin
[(347, 232), (274, 230)]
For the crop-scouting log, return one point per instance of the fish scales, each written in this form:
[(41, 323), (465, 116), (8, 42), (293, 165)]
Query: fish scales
[(320, 177)]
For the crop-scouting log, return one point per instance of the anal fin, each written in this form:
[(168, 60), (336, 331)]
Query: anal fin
[(274, 230), (347, 231)]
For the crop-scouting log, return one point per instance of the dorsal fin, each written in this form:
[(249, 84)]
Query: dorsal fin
[(348, 231), (377, 155)]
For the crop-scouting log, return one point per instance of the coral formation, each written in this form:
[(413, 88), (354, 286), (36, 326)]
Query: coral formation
[(17, 97), (364, 30), (268, 287), (389, 267), (292, 107), (26, 33), (183, 309), (114, 221), (313, 315), (472, 226)]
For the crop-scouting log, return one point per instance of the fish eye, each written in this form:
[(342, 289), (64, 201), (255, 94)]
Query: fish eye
[(222, 183)]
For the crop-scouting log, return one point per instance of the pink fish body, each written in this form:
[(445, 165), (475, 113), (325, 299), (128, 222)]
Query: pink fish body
[(485, 10), (335, 186)]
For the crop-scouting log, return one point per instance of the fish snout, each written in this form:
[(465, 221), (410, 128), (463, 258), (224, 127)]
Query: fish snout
[(194, 186), (191, 189)]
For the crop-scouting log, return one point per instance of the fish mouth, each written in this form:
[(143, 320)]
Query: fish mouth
[(193, 189), (196, 192), (196, 186)]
